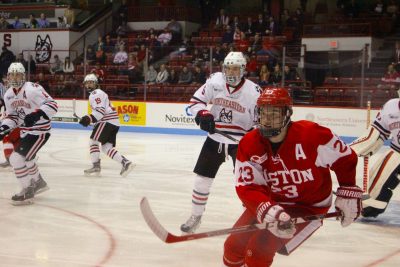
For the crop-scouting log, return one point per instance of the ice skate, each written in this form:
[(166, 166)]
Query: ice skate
[(371, 212), (40, 185), (5, 165), (127, 167), (25, 197), (191, 225), (94, 171)]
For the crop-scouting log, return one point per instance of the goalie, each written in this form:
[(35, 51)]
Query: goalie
[(384, 174)]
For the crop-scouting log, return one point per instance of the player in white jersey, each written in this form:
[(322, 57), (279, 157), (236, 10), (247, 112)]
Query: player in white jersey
[(29, 107), (384, 174), (106, 126), (233, 101)]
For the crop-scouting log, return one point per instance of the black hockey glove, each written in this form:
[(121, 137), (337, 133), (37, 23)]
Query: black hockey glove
[(206, 121), (34, 117), (3, 132), (85, 121)]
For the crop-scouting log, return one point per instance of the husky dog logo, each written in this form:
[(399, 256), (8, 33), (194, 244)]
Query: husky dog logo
[(43, 49), (225, 116)]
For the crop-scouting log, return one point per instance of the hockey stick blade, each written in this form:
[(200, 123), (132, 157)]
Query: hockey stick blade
[(167, 237), (226, 135)]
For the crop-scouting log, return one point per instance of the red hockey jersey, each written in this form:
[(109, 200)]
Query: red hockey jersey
[(298, 173)]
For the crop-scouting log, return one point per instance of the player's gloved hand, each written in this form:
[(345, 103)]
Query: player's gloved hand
[(270, 213), (348, 200), (85, 121), (206, 121), (3, 128), (33, 117)]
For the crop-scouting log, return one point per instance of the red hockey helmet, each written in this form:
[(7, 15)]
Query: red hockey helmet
[(274, 107)]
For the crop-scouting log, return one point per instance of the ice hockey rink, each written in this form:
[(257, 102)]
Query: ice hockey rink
[(96, 221)]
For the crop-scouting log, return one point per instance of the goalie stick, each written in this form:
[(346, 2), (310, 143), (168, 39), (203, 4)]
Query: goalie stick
[(366, 159), (167, 237)]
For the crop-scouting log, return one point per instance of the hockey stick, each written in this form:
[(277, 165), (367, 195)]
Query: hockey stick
[(366, 158), (226, 135), (74, 109), (167, 237)]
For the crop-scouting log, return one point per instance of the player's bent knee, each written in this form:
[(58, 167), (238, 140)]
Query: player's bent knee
[(17, 160), (106, 147)]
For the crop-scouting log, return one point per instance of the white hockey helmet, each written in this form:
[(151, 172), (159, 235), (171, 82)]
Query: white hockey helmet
[(16, 75), (90, 82), (232, 77)]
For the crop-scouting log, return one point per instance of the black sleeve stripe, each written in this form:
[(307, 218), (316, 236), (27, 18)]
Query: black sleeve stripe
[(195, 98)]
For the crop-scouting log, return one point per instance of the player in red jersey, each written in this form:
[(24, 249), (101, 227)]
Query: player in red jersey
[(10, 142), (283, 171)]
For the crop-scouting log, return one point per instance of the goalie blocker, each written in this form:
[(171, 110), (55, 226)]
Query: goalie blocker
[(384, 174)]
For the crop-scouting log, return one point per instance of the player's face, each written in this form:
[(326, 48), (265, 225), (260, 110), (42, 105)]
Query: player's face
[(232, 70), (271, 117), (90, 85), (15, 79)]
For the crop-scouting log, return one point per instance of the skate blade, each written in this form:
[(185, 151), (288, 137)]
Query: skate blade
[(93, 174), (44, 189), (22, 203), (130, 168)]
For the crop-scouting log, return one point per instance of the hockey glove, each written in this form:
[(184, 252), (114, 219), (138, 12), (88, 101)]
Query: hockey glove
[(206, 121), (85, 121), (283, 226), (3, 132), (34, 117), (348, 200)]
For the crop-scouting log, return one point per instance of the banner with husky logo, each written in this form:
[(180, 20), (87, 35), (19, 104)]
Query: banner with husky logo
[(43, 49)]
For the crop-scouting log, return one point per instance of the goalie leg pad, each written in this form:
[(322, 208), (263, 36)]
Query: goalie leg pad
[(368, 143)]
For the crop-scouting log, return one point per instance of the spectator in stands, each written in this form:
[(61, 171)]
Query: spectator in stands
[(68, 66), (352, 9), (222, 20), (99, 50), (235, 23), (289, 74), (43, 22), (118, 43), (176, 30), (272, 29), (141, 55), (133, 70), (3, 23), (285, 16), (6, 58), (56, 66), (391, 74), (256, 45), (121, 14), (33, 23), (261, 24), (165, 37), (242, 44), (90, 55), (59, 86), (237, 35), (218, 55), (173, 77), (69, 15), (18, 24), (205, 54), (227, 37), (197, 57), (249, 27), (121, 57), (62, 22), (43, 82), (162, 75), (123, 29), (31, 64), (199, 76), (251, 66), (186, 76), (99, 72), (264, 75), (378, 8), (276, 76), (392, 9), (108, 44), (185, 47), (20, 58), (151, 75)]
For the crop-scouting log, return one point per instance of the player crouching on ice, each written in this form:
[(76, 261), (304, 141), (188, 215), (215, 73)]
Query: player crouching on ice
[(10, 142), (106, 127), (384, 174), (282, 171), (29, 107)]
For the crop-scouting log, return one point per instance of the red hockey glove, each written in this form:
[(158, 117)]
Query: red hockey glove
[(3, 131), (206, 121), (34, 117), (348, 200), (270, 213), (85, 121)]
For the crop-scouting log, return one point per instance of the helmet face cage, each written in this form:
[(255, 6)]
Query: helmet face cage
[(231, 74), (16, 75)]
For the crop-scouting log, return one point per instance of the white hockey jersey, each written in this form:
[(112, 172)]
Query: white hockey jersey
[(387, 122), (102, 109), (30, 98), (234, 112)]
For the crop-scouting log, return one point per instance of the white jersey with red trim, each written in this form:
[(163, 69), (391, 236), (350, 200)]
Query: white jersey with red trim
[(29, 98), (102, 109), (298, 173), (233, 108), (387, 122)]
